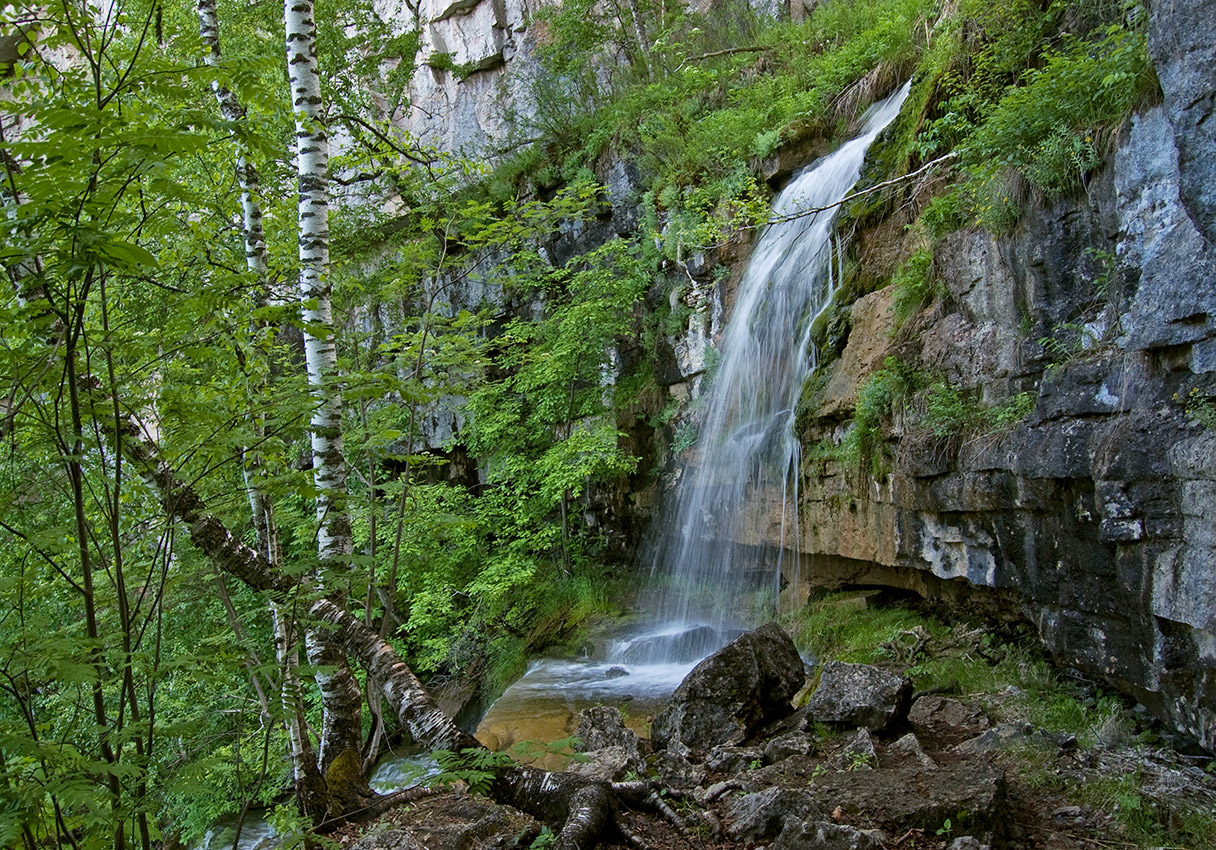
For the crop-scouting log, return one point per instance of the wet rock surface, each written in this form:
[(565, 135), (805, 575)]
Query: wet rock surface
[(738, 689), (1090, 516)]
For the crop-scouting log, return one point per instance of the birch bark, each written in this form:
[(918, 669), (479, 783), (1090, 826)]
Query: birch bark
[(341, 696), (305, 771)]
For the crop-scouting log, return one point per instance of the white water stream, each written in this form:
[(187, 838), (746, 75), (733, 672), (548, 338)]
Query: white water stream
[(718, 554)]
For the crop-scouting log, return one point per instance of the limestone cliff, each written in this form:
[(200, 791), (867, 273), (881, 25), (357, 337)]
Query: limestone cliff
[(1094, 516)]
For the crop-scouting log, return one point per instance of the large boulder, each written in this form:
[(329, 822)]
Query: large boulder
[(742, 686), (861, 695)]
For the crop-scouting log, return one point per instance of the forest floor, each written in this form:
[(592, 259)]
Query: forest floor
[(1039, 802), (971, 767)]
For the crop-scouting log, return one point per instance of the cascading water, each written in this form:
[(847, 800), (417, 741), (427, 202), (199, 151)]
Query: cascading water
[(704, 570), (712, 575)]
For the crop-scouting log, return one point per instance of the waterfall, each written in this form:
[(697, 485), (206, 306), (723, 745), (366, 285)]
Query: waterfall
[(714, 569)]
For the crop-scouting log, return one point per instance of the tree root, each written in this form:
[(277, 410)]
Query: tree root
[(631, 838)]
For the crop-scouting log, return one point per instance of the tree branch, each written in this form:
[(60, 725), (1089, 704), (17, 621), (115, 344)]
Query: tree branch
[(869, 190), (730, 51)]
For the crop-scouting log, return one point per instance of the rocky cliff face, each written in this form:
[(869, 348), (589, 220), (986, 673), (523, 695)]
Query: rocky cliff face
[(1094, 517), (470, 92)]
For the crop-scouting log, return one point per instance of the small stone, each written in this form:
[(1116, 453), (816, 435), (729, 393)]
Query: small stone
[(948, 721), (788, 746), (909, 747), (860, 695), (733, 759), (858, 753), (609, 764), (677, 772), (393, 839), (762, 816), (825, 835), (996, 738), (967, 842), (615, 673)]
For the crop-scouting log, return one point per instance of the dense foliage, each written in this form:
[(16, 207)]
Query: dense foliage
[(139, 692)]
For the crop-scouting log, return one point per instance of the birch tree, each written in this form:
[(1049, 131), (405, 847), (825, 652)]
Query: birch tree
[(309, 785), (342, 699)]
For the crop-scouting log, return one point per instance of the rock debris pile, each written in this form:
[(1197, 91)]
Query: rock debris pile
[(865, 764)]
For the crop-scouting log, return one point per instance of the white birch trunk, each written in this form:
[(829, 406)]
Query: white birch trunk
[(341, 696), (320, 351), (303, 760), (246, 174)]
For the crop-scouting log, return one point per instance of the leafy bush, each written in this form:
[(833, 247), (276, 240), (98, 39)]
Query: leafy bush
[(914, 285), (876, 400), (1048, 129)]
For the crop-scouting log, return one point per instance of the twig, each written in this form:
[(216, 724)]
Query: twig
[(915, 832), (730, 51), (858, 194)]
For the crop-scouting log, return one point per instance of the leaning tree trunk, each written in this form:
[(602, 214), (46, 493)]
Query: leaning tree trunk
[(581, 808), (342, 699)]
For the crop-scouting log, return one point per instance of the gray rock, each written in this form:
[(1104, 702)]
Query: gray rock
[(825, 835), (904, 796), (676, 771), (857, 754), (908, 747), (763, 815), (860, 695), (1175, 300), (1181, 43), (747, 683), (602, 726), (733, 759), (967, 842), (948, 721), (610, 764), (996, 738), (393, 839), (792, 744)]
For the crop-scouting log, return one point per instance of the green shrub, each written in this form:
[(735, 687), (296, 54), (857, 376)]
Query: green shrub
[(1048, 129), (914, 285), (862, 445)]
